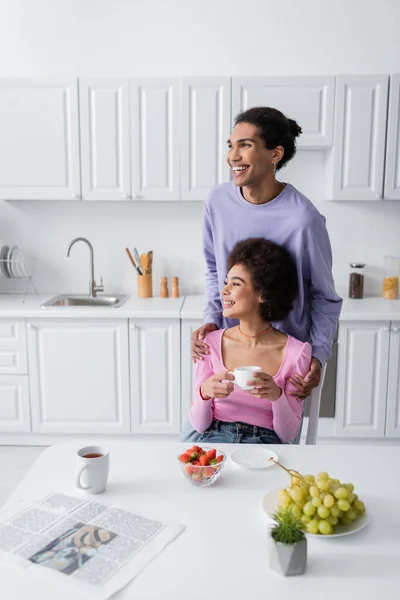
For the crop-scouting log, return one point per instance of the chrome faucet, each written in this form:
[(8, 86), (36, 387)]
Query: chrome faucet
[(93, 288)]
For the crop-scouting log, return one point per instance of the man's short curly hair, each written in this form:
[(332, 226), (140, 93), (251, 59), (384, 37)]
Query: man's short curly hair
[(273, 274)]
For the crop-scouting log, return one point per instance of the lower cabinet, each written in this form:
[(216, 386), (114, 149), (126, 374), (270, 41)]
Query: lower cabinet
[(187, 365), (368, 380), (15, 414), (155, 375), (79, 375), (393, 392)]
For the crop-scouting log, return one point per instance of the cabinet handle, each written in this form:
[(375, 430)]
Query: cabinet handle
[(30, 326), (386, 329), (125, 196), (395, 330), (135, 196)]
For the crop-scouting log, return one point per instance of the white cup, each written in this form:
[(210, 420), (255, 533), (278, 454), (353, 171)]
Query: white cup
[(92, 469), (244, 374)]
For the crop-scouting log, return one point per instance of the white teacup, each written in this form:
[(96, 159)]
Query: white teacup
[(244, 374), (92, 469)]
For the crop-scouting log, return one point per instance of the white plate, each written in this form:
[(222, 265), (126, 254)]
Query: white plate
[(270, 505), (253, 458), (10, 260)]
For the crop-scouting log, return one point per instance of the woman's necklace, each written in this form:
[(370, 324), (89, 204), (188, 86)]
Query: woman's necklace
[(257, 334)]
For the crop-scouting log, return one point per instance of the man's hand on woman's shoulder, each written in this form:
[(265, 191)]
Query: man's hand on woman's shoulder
[(200, 348), (305, 386)]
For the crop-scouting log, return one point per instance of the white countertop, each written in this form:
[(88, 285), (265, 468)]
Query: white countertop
[(367, 309), (186, 307), (28, 306)]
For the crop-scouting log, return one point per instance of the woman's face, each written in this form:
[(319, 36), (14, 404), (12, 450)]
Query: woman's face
[(239, 297)]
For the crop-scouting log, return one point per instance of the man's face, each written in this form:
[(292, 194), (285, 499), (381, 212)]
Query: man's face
[(251, 162)]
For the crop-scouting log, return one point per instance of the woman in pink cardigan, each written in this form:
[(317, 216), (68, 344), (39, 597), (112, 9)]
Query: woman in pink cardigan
[(260, 287)]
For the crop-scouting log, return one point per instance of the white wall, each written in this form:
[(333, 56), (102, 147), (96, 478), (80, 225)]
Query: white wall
[(182, 37)]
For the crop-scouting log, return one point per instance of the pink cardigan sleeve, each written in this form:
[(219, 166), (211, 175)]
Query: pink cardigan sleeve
[(201, 411), (287, 410)]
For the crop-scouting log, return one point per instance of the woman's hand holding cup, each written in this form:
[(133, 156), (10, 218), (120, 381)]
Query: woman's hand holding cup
[(265, 389), (215, 388)]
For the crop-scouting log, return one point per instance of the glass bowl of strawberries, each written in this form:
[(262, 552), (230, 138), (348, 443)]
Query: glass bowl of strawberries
[(201, 465)]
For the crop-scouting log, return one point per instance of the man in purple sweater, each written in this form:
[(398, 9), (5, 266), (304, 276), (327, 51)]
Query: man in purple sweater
[(255, 204)]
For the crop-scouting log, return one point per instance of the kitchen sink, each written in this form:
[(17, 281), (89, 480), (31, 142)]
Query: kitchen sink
[(76, 300)]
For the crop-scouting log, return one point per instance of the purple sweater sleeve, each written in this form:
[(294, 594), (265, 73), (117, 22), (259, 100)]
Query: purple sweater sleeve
[(201, 411), (325, 303), (213, 309), (287, 410)]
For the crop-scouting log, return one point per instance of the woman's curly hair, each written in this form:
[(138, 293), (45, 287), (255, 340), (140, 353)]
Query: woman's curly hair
[(273, 274)]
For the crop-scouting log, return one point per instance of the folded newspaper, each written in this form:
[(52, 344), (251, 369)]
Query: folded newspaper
[(83, 542)]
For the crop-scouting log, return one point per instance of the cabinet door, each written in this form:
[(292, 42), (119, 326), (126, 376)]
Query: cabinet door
[(363, 355), (205, 127), (355, 165), (79, 378), (392, 176), (154, 139), (393, 392), (155, 375), (309, 100), (104, 125), (14, 403), (187, 365), (13, 356), (39, 141)]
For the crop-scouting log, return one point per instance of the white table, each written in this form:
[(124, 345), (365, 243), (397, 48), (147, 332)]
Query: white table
[(222, 554)]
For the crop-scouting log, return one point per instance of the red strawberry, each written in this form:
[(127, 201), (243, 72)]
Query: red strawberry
[(204, 460), (208, 471), (193, 456), (184, 457), (220, 458), (198, 449), (189, 451), (188, 469), (197, 463), (212, 453)]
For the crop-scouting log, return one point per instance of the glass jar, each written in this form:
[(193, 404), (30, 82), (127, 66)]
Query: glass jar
[(356, 281), (390, 290)]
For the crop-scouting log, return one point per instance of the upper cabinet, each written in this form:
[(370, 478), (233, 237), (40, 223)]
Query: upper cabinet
[(105, 139), (155, 139), (356, 164), (39, 140), (392, 177), (205, 128), (309, 100)]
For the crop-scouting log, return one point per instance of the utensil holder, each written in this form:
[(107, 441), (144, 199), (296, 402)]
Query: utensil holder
[(145, 286)]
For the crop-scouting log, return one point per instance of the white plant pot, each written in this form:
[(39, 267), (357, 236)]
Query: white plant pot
[(288, 559)]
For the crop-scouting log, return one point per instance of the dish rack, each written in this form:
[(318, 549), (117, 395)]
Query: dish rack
[(11, 279)]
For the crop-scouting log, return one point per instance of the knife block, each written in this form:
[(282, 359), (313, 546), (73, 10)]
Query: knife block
[(145, 286)]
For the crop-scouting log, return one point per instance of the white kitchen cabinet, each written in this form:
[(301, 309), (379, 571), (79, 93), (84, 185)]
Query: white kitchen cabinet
[(154, 116), (205, 128), (392, 175), (356, 163), (187, 365), (15, 413), (155, 375), (39, 141), (13, 351), (79, 375), (309, 100), (362, 378), (393, 391), (105, 139)]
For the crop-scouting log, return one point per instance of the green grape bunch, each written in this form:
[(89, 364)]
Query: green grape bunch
[(320, 503)]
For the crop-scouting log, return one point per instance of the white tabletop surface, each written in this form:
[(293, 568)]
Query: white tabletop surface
[(222, 554)]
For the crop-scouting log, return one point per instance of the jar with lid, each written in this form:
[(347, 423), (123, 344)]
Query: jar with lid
[(390, 290), (356, 280)]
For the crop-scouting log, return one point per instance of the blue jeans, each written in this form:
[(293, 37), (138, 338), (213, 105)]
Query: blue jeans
[(220, 432)]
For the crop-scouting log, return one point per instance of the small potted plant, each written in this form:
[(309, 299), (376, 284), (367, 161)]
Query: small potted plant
[(288, 548)]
